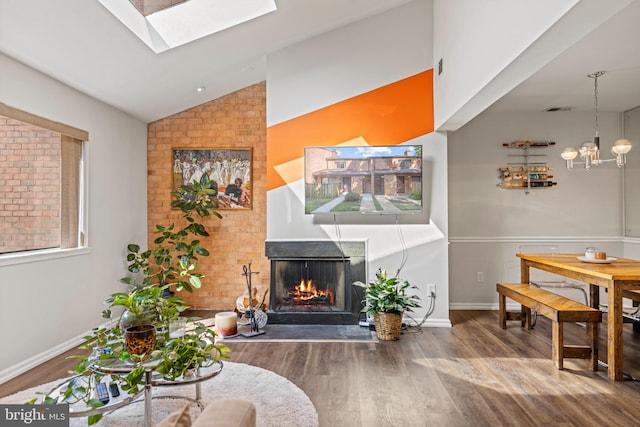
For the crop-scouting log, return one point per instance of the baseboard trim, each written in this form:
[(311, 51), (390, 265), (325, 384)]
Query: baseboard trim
[(18, 369), (482, 306), (30, 363), (430, 323)]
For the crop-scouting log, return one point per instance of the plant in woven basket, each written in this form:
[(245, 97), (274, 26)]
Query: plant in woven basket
[(385, 299)]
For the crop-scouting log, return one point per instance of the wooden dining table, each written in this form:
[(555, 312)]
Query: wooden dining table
[(616, 276)]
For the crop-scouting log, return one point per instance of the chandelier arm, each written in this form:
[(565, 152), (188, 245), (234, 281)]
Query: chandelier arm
[(590, 151)]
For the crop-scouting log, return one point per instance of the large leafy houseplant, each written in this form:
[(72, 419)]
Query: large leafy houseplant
[(171, 265), (388, 296)]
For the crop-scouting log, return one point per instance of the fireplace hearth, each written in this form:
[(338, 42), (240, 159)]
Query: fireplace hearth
[(311, 282)]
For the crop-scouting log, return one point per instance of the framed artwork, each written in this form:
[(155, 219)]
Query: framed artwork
[(228, 168)]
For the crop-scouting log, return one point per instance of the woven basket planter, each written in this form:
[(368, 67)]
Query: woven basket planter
[(388, 326)]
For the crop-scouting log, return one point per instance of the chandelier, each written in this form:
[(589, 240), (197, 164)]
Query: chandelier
[(590, 151)]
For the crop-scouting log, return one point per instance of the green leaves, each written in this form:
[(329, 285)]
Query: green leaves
[(388, 295), (172, 262), (194, 349), (174, 258), (196, 198)]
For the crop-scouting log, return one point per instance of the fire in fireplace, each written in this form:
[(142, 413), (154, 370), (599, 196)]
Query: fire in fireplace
[(311, 282), (306, 294)]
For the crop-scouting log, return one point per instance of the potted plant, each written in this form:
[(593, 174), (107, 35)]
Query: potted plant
[(171, 265), (385, 299)]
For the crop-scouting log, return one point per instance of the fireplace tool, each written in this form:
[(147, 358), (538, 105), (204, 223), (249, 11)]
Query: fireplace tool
[(255, 330)]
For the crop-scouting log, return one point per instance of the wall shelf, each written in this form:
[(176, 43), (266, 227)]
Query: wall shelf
[(528, 170)]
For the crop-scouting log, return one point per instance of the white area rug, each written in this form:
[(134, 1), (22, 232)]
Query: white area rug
[(278, 401)]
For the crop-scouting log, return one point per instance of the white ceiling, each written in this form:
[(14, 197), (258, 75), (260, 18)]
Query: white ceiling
[(81, 44), (613, 47)]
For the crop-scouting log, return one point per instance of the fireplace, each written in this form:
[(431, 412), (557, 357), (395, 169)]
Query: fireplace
[(311, 282)]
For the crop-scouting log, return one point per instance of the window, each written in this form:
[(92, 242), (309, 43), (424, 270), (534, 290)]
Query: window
[(41, 186), (341, 165)]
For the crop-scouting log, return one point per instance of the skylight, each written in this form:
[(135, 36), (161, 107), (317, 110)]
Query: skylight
[(147, 7), (187, 21)]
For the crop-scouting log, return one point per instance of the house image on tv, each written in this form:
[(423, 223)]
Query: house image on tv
[(380, 174)]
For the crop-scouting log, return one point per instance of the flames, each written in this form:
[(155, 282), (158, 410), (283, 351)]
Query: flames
[(305, 291)]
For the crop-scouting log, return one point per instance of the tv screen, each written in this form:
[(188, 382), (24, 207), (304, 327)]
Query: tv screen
[(363, 179)]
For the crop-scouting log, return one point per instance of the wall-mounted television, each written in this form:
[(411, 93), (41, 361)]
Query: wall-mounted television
[(363, 179)]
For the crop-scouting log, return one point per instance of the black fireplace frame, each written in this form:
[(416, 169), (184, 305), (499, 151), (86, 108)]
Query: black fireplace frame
[(354, 251)]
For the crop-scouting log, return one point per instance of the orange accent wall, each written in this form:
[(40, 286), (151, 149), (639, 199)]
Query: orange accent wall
[(389, 115)]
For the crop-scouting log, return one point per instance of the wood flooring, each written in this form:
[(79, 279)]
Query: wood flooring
[(473, 374)]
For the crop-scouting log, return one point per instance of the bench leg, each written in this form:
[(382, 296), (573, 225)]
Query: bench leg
[(526, 317), (557, 346), (503, 310), (592, 341)]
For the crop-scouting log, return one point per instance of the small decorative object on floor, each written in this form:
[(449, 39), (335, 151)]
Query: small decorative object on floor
[(227, 324), (385, 299), (261, 317), (388, 326), (255, 328)]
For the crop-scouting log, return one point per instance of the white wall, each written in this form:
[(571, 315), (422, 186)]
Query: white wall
[(490, 47), (46, 306), (339, 65), (487, 224)]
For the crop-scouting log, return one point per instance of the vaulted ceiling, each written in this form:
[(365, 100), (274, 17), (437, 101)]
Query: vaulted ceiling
[(84, 46), (80, 43)]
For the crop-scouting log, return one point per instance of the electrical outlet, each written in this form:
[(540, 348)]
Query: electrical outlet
[(480, 277), (431, 289)]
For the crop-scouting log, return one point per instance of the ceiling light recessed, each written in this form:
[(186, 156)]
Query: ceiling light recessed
[(201, 89)]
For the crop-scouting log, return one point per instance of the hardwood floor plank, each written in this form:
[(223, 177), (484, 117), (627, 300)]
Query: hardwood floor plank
[(473, 374)]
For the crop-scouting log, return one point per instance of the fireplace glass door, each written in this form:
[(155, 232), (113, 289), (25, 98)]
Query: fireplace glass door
[(309, 285)]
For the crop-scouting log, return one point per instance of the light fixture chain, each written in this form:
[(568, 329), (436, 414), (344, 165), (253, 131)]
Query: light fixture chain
[(595, 76)]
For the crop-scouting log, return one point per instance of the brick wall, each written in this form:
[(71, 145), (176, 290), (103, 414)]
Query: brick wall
[(237, 120), (29, 187)]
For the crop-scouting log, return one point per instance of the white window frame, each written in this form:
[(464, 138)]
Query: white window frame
[(13, 258)]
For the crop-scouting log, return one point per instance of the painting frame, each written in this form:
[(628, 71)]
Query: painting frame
[(230, 168)]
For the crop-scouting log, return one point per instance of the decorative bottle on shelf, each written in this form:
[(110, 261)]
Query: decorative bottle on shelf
[(543, 184), (540, 176), (514, 184)]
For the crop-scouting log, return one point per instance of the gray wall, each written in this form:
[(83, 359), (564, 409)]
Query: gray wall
[(48, 303), (487, 224)]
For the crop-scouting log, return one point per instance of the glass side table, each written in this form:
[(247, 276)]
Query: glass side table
[(78, 408)]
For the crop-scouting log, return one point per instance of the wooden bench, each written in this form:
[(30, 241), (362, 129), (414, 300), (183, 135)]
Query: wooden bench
[(557, 308), (634, 295)]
